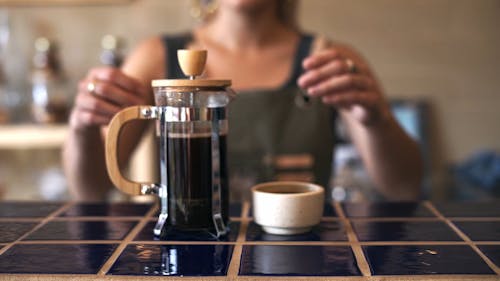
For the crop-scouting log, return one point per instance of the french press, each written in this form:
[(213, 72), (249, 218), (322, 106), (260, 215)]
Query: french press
[(192, 126)]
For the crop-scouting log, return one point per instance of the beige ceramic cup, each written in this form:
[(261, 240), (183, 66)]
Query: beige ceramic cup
[(287, 207)]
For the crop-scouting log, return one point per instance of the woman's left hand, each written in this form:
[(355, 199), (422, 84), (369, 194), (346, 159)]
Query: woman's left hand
[(345, 82)]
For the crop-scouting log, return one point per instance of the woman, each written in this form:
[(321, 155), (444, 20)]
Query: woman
[(257, 46)]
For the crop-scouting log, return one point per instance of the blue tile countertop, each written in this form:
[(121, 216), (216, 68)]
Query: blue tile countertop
[(354, 241)]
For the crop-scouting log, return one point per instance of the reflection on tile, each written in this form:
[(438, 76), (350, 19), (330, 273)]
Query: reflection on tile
[(329, 211), (404, 231), (386, 209), (11, 231), (63, 259), (492, 252), (325, 231), (423, 259), (480, 230), (469, 209), (235, 210), (27, 209), (298, 260), (146, 234), (82, 230), (173, 260), (102, 209)]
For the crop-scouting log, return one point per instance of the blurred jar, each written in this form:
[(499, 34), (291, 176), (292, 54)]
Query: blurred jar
[(112, 51), (50, 103)]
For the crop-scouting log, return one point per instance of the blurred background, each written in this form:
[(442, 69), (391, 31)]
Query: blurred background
[(438, 61)]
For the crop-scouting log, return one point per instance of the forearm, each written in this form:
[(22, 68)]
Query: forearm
[(84, 165), (391, 157)]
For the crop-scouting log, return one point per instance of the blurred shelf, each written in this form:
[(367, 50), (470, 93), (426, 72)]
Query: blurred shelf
[(31, 136), (61, 2)]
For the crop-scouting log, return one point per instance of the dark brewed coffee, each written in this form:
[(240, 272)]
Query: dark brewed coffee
[(188, 176)]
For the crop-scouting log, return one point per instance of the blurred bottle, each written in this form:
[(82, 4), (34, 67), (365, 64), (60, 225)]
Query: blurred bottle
[(50, 103), (112, 51), (6, 99), (5, 104)]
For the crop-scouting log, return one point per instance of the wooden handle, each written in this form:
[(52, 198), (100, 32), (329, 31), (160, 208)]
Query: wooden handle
[(192, 62), (115, 126)]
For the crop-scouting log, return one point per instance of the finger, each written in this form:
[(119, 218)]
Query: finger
[(351, 98), (320, 58), (318, 74), (112, 93), (95, 104), (85, 118), (116, 76), (341, 83)]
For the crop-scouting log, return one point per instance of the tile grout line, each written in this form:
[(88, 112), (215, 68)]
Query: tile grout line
[(41, 223), (284, 243), (245, 210), (363, 265), (234, 265), (394, 219), (117, 252), (100, 218), (21, 219), (67, 242), (479, 219), (463, 236)]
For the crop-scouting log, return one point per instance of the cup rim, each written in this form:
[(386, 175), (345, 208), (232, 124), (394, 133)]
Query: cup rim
[(316, 189)]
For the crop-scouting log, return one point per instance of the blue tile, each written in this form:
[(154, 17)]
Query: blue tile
[(173, 260), (27, 209), (102, 209), (11, 231), (469, 209), (404, 231), (386, 209), (55, 258), (298, 260), (82, 230), (480, 230), (325, 231), (424, 259), (146, 234), (492, 252)]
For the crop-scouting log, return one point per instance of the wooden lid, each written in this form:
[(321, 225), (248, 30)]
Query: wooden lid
[(192, 63), (201, 83)]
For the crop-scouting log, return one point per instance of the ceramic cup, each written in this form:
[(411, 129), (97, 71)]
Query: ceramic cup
[(286, 207)]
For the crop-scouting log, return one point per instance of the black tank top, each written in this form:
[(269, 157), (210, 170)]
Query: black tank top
[(266, 127)]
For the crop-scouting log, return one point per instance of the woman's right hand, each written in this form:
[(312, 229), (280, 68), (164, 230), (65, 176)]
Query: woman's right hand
[(104, 92)]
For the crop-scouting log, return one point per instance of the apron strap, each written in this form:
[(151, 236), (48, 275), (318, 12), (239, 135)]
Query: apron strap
[(173, 43)]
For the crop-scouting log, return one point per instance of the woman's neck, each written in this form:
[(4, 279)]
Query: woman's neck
[(235, 29)]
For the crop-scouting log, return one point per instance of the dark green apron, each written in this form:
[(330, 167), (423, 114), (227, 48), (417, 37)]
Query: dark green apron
[(266, 124)]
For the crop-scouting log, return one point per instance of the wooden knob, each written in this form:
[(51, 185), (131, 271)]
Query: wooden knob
[(192, 62)]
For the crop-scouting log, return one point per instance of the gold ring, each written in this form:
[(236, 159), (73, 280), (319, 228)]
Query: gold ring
[(351, 66), (91, 86)]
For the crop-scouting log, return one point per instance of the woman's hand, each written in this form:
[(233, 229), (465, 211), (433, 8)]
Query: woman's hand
[(343, 80), (102, 93)]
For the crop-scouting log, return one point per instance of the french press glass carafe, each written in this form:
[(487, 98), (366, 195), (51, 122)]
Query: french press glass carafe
[(192, 126)]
